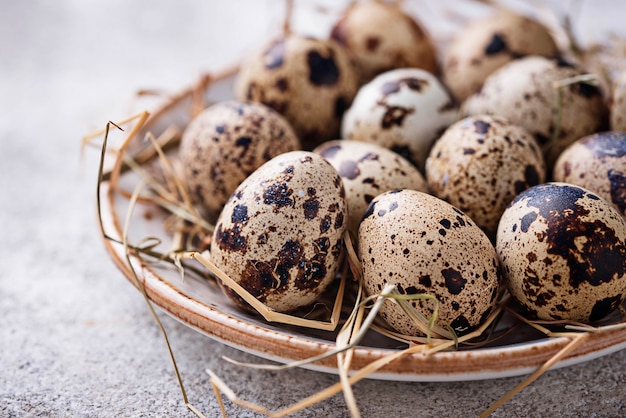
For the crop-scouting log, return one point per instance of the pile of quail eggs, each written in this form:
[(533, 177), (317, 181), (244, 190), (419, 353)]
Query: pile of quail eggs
[(499, 166)]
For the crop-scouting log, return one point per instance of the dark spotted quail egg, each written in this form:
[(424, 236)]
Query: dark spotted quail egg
[(404, 110), (598, 163), (368, 170), (480, 164), (381, 37), (618, 104), (523, 91), (424, 245), (226, 143), (489, 43), (309, 81), (563, 252), (280, 233)]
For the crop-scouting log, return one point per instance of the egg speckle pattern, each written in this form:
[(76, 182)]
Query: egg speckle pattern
[(382, 37), (480, 164), (489, 43), (309, 81), (404, 110), (368, 170), (523, 91), (225, 143), (424, 245), (598, 163), (280, 234), (563, 252)]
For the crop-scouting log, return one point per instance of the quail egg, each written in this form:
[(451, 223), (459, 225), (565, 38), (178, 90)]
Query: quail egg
[(480, 164), (424, 245), (563, 253), (381, 37), (404, 110), (309, 81), (280, 234), (368, 170), (225, 143), (597, 162), (487, 44), (524, 92)]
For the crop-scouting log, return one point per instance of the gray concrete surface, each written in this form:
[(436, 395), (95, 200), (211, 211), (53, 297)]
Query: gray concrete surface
[(76, 340)]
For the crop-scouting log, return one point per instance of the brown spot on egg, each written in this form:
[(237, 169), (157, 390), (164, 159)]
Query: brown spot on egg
[(496, 45), (231, 239), (325, 224), (258, 277), (372, 43), (311, 208), (339, 220), (604, 307), (282, 84), (240, 214), (279, 195), (617, 181), (586, 90), (455, 283), (481, 127), (600, 259), (527, 220), (461, 325), (323, 70), (394, 116)]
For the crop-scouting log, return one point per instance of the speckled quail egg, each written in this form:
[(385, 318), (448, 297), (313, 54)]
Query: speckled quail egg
[(381, 37), (424, 245), (598, 163), (225, 143), (563, 253), (487, 44), (404, 110), (523, 91), (309, 81), (280, 234), (480, 164), (618, 104), (368, 170)]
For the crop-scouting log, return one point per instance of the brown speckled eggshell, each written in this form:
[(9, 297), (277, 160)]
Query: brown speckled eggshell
[(487, 44), (563, 253), (404, 110), (368, 170), (309, 81), (382, 37), (523, 92), (424, 245), (280, 234), (480, 164), (225, 143), (597, 162)]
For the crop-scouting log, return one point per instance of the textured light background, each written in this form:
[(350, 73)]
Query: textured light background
[(76, 339)]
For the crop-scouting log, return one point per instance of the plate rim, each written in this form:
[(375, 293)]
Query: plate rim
[(478, 364)]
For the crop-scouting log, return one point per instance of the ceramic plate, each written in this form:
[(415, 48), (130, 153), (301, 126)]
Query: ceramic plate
[(201, 305)]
